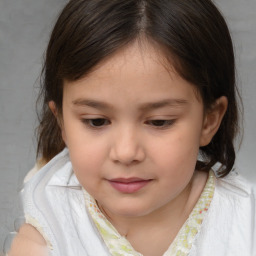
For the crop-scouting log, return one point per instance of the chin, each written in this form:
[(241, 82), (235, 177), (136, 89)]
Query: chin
[(131, 211)]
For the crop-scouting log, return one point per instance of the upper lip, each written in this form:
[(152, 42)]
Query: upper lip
[(128, 180)]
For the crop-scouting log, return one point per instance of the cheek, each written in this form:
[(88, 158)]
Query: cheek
[(84, 146), (87, 151), (177, 154), (86, 155), (87, 166), (176, 165)]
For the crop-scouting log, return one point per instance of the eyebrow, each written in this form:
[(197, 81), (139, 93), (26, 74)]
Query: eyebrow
[(143, 107), (91, 103), (163, 103)]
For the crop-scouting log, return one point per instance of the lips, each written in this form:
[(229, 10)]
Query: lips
[(130, 185)]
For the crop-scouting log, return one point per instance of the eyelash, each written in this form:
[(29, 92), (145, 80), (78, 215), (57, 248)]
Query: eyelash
[(163, 123), (158, 123), (89, 122)]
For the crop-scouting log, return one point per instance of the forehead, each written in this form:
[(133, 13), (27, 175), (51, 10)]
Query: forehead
[(139, 56), (139, 70)]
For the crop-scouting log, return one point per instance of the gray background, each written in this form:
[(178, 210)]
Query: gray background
[(24, 31)]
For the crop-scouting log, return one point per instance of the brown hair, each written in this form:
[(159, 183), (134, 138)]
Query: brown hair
[(193, 32)]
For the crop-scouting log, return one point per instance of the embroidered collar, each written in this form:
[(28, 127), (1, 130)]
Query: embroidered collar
[(120, 246)]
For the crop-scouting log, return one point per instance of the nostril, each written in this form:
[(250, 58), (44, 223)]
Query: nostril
[(127, 156)]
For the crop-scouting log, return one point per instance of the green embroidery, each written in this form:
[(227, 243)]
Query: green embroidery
[(120, 246)]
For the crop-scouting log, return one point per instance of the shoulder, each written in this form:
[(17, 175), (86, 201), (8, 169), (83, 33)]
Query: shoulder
[(40, 163), (235, 186), (234, 207), (28, 242), (47, 198), (232, 211), (236, 194)]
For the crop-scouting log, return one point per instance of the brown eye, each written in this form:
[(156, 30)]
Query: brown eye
[(160, 123), (96, 123)]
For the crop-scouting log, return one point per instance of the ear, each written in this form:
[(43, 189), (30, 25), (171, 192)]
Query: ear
[(53, 108), (212, 120)]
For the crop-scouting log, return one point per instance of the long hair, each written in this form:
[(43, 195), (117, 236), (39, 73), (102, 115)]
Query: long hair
[(193, 34)]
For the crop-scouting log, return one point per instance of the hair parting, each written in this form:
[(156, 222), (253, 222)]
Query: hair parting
[(193, 35)]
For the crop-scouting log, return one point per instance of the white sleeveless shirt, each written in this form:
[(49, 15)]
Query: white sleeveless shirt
[(54, 203)]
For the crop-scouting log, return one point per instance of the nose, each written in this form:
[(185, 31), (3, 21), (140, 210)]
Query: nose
[(127, 147)]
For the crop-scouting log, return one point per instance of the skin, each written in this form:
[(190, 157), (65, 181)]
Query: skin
[(133, 117), (28, 242)]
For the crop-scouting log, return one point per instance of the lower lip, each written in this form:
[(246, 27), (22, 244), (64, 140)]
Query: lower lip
[(130, 187)]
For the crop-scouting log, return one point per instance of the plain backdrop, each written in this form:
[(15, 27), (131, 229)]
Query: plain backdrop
[(24, 32)]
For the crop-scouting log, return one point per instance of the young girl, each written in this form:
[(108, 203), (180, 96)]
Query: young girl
[(139, 107)]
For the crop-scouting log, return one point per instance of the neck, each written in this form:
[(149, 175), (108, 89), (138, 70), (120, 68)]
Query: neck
[(164, 222)]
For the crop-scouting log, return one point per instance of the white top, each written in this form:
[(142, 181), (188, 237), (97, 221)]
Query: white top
[(181, 245), (54, 203)]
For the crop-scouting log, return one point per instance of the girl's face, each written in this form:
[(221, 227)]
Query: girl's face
[(133, 129)]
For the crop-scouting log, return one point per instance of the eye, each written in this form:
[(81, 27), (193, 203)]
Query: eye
[(96, 122), (160, 123)]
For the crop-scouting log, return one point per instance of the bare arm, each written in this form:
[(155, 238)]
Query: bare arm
[(28, 242)]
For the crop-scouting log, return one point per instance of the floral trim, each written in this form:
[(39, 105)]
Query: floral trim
[(117, 244), (120, 246), (185, 238)]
